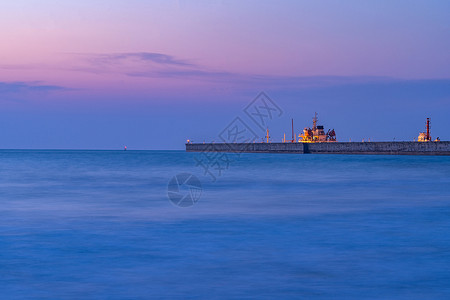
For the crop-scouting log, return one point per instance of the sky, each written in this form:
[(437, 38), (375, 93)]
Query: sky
[(102, 74)]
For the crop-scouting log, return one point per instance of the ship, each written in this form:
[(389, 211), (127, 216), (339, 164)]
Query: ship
[(317, 133)]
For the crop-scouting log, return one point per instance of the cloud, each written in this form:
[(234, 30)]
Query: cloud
[(163, 66), (185, 74), (24, 87), (266, 81), (158, 58), (101, 63), (140, 57)]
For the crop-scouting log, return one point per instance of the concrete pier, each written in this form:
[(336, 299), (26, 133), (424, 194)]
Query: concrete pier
[(391, 148)]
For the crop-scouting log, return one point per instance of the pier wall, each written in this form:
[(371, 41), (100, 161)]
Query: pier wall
[(247, 147), (413, 148), (394, 148)]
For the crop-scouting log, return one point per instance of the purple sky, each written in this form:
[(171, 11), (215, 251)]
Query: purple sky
[(151, 74)]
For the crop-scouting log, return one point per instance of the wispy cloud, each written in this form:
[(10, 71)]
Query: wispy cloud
[(154, 65), (117, 63), (190, 73), (158, 65), (141, 57), (21, 87)]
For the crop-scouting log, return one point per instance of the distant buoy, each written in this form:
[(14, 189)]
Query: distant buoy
[(125, 149)]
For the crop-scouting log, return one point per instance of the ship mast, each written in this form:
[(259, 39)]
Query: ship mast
[(315, 122)]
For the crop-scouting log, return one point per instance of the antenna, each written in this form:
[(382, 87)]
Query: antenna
[(428, 130)]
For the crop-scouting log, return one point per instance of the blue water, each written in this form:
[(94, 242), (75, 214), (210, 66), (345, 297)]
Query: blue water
[(99, 225)]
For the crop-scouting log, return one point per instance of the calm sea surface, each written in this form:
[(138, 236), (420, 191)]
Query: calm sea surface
[(99, 224)]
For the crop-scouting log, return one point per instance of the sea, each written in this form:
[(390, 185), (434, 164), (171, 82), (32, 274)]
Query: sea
[(177, 225)]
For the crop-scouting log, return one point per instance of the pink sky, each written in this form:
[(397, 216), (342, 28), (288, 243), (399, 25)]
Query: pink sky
[(201, 51), (405, 39)]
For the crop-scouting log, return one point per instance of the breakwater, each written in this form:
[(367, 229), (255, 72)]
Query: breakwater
[(391, 148)]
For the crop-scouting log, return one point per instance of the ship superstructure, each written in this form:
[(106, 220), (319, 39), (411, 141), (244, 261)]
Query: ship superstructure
[(317, 133)]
